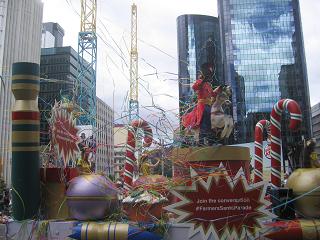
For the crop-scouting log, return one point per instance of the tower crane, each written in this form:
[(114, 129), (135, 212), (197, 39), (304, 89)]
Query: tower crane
[(134, 90), (85, 87)]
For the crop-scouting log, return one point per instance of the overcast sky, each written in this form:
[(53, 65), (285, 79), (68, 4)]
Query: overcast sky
[(157, 47)]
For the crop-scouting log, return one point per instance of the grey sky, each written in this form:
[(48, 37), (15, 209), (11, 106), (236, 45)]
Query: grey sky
[(157, 47)]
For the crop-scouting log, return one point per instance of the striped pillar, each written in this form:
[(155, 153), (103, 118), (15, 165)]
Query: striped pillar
[(275, 119), (25, 140)]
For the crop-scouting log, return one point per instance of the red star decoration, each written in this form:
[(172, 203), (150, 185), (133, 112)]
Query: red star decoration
[(64, 134), (221, 206)]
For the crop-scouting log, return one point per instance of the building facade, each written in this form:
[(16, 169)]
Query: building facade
[(120, 140), (198, 44), (315, 111), (104, 139), (59, 70), (20, 41), (264, 61), (52, 35)]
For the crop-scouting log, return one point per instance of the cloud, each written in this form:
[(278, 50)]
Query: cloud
[(156, 30), (310, 10), (156, 27)]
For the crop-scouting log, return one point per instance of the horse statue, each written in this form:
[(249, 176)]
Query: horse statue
[(207, 120), (220, 120)]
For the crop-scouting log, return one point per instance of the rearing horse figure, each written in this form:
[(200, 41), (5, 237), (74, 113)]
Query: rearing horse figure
[(220, 120), (208, 113)]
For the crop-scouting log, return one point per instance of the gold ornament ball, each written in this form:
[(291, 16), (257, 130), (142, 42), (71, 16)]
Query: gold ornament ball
[(302, 181)]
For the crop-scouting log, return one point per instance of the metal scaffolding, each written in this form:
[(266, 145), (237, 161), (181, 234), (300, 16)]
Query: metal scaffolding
[(133, 101), (85, 93)]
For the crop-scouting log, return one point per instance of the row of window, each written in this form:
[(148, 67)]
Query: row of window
[(274, 3), (284, 21), (262, 51), (55, 68), (274, 61), (316, 117), (265, 41), (262, 69), (263, 76)]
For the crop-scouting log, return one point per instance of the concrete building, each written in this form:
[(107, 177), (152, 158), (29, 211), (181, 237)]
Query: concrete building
[(262, 42), (20, 40), (104, 139), (59, 70), (315, 112), (52, 35), (120, 140)]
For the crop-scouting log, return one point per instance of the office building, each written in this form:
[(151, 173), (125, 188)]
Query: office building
[(198, 44), (52, 35), (264, 61), (20, 41), (104, 139), (59, 70), (120, 140), (315, 111)]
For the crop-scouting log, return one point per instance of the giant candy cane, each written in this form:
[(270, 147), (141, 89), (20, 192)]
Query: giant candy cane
[(295, 120), (258, 149), (131, 145)]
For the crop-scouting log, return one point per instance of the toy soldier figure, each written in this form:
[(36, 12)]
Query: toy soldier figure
[(200, 116)]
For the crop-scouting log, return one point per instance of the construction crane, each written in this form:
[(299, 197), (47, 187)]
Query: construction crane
[(85, 87), (133, 100), (134, 83)]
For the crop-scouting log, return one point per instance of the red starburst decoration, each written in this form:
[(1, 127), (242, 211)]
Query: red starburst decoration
[(64, 134), (221, 207)]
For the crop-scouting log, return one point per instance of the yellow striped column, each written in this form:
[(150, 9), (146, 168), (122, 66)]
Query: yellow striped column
[(106, 231), (25, 140)]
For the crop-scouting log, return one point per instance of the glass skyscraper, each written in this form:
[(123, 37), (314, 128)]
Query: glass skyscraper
[(198, 44), (264, 61)]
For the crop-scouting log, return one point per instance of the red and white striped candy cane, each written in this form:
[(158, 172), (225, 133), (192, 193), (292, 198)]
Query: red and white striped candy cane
[(258, 149), (131, 145), (275, 119)]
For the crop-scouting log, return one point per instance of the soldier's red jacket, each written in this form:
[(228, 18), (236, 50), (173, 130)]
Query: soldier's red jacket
[(205, 96)]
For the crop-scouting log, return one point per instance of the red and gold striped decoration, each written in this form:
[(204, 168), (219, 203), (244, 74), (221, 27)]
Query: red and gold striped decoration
[(25, 131), (299, 229), (25, 140)]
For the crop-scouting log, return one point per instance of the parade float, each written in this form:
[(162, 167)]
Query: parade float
[(211, 194)]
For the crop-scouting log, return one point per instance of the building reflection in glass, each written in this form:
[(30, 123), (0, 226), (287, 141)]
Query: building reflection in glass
[(198, 44), (262, 42)]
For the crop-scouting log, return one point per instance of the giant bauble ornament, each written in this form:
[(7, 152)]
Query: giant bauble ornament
[(91, 197), (306, 181)]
